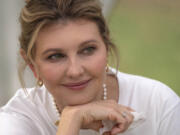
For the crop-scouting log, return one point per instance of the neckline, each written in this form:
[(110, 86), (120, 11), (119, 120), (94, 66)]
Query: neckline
[(114, 72)]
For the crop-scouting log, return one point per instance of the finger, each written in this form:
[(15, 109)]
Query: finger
[(107, 133), (123, 122), (131, 118), (115, 131), (116, 117), (116, 107), (94, 125), (128, 116), (130, 109), (124, 114), (126, 108), (118, 128)]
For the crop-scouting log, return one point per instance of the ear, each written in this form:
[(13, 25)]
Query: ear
[(31, 66)]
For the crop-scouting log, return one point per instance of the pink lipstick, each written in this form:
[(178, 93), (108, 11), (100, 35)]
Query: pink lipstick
[(77, 85)]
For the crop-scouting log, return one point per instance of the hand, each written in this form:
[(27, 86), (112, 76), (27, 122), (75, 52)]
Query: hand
[(92, 114)]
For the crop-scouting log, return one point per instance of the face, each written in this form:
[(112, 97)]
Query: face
[(71, 60)]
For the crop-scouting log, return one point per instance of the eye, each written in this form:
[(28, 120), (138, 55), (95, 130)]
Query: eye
[(88, 50), (55, 57)]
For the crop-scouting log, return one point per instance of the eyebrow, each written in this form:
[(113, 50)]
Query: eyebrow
[(87, 42), (60, 50), (52, 50)]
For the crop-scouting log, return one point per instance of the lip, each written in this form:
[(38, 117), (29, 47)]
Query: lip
[(77, 85)]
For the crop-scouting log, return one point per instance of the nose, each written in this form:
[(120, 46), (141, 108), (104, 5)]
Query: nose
[(75, 69)]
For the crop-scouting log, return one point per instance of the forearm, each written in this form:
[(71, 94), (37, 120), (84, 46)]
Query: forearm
[(70, 123)]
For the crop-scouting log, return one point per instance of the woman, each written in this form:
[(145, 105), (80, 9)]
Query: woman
[(66, 44)]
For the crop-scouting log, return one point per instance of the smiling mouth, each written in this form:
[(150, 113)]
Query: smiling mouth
[(77, 85)]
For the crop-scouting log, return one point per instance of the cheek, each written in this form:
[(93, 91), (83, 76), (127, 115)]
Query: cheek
[(50, 73), (97, 64)]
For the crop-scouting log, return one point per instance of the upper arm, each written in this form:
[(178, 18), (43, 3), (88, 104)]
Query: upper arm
[(169, 112), (170, 124)]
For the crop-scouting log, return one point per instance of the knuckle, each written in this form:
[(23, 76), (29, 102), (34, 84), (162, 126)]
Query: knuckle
[(111, 117), (129, 121), (123, 122), (124, 127), (131, 118)]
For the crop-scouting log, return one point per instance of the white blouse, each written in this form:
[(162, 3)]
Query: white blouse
[(35, 114)]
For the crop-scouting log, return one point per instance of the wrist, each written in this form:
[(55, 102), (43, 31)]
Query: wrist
[(70, 122), (71, 114), (71, 110)]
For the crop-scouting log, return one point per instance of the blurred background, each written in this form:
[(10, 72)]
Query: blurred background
[(147, 33)]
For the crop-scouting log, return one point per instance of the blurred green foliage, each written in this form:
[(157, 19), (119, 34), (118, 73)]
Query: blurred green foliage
[(148, 38)]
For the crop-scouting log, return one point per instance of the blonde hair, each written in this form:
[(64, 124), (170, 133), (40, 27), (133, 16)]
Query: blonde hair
[(37, 14)]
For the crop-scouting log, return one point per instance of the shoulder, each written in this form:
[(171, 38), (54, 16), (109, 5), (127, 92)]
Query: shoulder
[(23, 104), (149, 93), (23, 99), (146, 86), (22, 111), (159, 102)]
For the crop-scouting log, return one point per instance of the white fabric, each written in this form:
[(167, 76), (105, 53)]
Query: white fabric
[(139, 118), (35, 114)]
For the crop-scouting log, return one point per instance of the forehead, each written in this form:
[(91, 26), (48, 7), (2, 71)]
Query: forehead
[(68, 31), (71, 23)]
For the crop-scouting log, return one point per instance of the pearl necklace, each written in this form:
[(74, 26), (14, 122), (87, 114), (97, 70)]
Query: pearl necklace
[(58, 111), (104, 91), (55, 107)]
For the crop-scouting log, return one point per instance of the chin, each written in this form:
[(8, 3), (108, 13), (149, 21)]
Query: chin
[(80, 101)]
